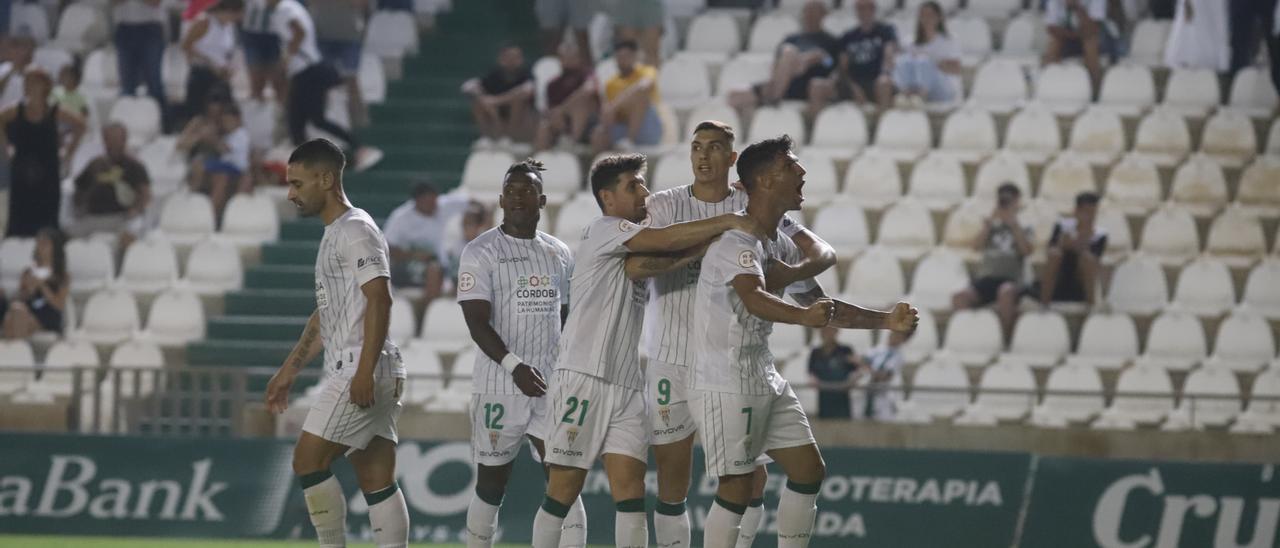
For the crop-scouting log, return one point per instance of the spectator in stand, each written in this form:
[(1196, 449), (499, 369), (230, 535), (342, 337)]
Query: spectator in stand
[(929, 69), (1070, 272), (641, 21), (881, 367), (140, 42), (340, 34), (310, 79), (113, 191), (31, 128), (262, 51), (834, 368), (1253, 23), (502, 100), (228, 171), (1198, 38), (477, 219), (554, 15), (801, 61), (42, 292), (200, 139), (1005, 242), (18, 51), (415, 233), (629, 115), (865, 65), (67, 93), (572, 103), (1077, 27), (209, 44)]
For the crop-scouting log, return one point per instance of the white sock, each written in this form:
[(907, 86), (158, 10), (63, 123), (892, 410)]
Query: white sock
[(328, 508), (797, 508), (389, 517), (723, 522), (573, 534), (482, 521), (630, 528), (671, 525), (751, 521), (547, 526)]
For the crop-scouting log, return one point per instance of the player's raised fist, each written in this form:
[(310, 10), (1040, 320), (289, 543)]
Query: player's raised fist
[(529, 381), (903, 318), (819, 313)]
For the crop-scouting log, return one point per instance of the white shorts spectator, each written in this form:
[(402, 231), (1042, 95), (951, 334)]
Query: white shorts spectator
[(738, 428), (590, 417), (499, 423), (666, 391), (334, 418)]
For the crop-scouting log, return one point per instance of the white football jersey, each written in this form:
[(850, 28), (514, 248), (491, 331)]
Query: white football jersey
[(525, 282)]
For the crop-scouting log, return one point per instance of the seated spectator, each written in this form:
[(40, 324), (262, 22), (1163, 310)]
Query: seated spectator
[(572, 103), (1070, 272), (1077, 28), (929, 69), (199, 138), (140, 42), (340, 31), (226, 171), (1198, 38), (502, 101), (834, 367), (629, 115), (262, 52), (113, 191), (67, 93), (209, 44), (554, 15), (43, 291), (866, 61), (882, 365), (801, 60), (641, 21), (415, 233), (1005, 242), (477, 219)]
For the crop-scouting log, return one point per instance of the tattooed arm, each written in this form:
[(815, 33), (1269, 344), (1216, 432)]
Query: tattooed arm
[(850, 316), (647, 265), (306, 350)]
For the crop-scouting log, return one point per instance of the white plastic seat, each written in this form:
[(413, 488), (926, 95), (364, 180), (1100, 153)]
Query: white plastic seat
[(873, 180), (137, 353), (372, 79), (1148, 42), (1211, 396), (796, 372), (16, 254), (969, 135), (787, 341), (214, 267), (187, 217), (1199, 186), (1192, 92), (711, 110), (1229, 138), (482, 174), (1002, 167), (52, 59), (1176, 341), (1144, 395), (771, 122), (713, 37), (741, 72), (403, 324), (1108, 340), (963, 226), (1063, 88), (140, 115), (1134, 185), (1018, 41), (999, 86), (672, 170), (1027, 137), (1264, 398), (1204, 287), (563, 175), (821, 183), (421, 361), (906, 229), (176, 318), (56, 379), (1262, 289), (1041, 215), (444, 328), (1083, 404), (1119, 238), (391, 34), (15, 353), (111, 316), (1258, 194), (1243, 343), (684, 83), (574, 216), (769, 31), (250, 220), (1005, 376), (996, 9), (940, 388), (903, 134), (973, 35), (1097, 136), (1065, 177), (973, 336), (1236, 238), (1127, 90), (100, 74), (937, 181), (875, 279), (936, 278), (843, 225), (1162, 137), (91, 263), (150, 266), (1253, 93), (81, 27), (1169, 235), (1040, 339), (1138, 286), (924, 342), (839, 132)]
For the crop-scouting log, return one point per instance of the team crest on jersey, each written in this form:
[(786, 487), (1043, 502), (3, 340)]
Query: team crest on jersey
[(466, 281), (747, 259), (665, 413), (572, 434), (493, 439)]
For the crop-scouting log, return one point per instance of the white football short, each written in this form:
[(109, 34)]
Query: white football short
[(668, 401), (590, 417), (499, 423), (737, 429), (334, 418)]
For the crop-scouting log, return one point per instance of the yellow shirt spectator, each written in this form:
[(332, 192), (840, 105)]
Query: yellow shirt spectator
[(617, 84)]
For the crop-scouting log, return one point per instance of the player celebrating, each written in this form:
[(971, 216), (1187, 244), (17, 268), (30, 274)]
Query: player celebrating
[(672, 286), (597, 404), (356, 411), (513, 284), (742, 406)]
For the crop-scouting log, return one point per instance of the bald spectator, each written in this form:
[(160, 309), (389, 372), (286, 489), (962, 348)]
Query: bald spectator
[(801, 60), (113, 191)]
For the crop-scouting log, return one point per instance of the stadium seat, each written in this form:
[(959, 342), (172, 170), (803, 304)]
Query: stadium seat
[(1252, 93), (1097, 136), (176, 318), (873, 180), (1108, 340), (1127, 90), (1243, 343), (1001, 167), (1148, 42), (213, 267), (1199, 186), (1264, 398), (372, 78), (821, 183), (741, 73), (796, 371), (787, 341), (139, 114), (187, 218), (1133, 185), (90, 263), (1204, 287), (464, 365), (15, 353), (937, 276), (1083, 402), (421, 361), (137, 356), (1144, 395), (563, 176), (81, 27), (963, 226), (874, 279), (992, 9), (973, 35), (1138, 286), (1236, 238), (250, 220), (940, 388), (1017, 44), (712, 110), (1169, 235), (769, 31), (1211, 396), (1262, 289), (52, 59), (712, 37), (1176, 341), (969, 135), (1162, 137), (684, 83), (545, 69), (924, 342), (110, 317), (937, 181), (1027, 137), (1192, 92), (1041, 215), (1119, 238), (150, 266), (16, 254), (903, 134), (904, 25), (1040, 339), (56, 379), (1066, 176), (174, 71), (673, 169), (999, 86), (101, 79), (906, 229), (391, 34), (443, 327), (482, 175), (843, 225), (829, 280), (1004, 376), (1229, 138), (1257, 193), (839, 132), (973, 336), (1063, 88), (574, 216), (771, 122), (403, 324)]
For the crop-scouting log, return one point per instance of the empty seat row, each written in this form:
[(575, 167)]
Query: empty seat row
[(62, 356)]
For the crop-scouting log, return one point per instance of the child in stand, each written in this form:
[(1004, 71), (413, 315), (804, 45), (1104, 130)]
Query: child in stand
[(229, 171)]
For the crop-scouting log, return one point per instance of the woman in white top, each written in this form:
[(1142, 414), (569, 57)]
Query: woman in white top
[(1199, 37), (209, 43), (929, 68)]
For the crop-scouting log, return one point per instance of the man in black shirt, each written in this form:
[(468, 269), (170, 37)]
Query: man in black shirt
[(1070, 272), (865, 63), (502, 100), (802, 58)]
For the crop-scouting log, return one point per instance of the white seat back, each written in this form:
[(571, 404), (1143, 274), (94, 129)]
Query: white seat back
[(937, 276), (111, 316), (906, 229), (1108, 340), (1074, 378), (873, 180), (251, 219), (973, 336), (176, 318), (1204, 287), (1169, 235), (214, 267), (1176, 341), (940, 388), (150, 265), (1138, 286), (1040, 338), (1262, 289), (843, 226), (1212, 396), (1143, 394), (875, 278)]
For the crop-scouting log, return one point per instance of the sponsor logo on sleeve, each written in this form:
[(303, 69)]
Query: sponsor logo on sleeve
[(371, 261)]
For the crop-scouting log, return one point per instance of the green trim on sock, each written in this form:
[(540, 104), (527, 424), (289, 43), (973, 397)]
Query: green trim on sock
[(804, 488), (313, 479), (735, 508), (670, 508), (381, 494), (631, 505), (756, 503), (493, 498), (555, 508)]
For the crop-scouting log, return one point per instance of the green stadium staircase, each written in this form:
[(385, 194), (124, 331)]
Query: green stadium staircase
[(425, 128)]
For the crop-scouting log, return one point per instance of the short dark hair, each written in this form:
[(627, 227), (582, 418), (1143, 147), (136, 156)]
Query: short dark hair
[(422, 186), (606, 170), (715, 125), (1009, 187), (626, 44), (319, 154), (1087, 199), (529, 166), (754, 159)]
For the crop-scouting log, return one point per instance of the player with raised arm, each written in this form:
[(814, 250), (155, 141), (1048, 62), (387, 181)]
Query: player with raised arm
[(673, 282), (513, 286), (597, 405), (742, 406), (355, 413)]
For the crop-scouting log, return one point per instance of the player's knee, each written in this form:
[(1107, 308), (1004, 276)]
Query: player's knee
[(304, 464), (811, 474)]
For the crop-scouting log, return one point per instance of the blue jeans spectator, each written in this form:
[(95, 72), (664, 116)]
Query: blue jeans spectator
[(139, 53), (921, 74)]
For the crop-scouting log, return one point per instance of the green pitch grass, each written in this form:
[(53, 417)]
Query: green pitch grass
[(40, 541)]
